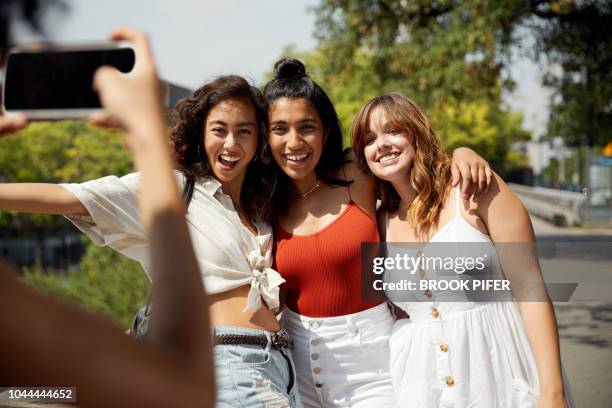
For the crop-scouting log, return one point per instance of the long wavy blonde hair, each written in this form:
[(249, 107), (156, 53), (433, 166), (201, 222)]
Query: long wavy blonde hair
[(430, 175)]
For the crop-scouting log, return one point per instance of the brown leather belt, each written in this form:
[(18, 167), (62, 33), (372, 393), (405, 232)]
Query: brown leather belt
[(280, 340)]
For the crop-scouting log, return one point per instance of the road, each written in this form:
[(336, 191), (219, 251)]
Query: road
[(585, 327)]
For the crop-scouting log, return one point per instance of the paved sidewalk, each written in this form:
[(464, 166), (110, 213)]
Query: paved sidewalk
[(585, 328), (585, 334)]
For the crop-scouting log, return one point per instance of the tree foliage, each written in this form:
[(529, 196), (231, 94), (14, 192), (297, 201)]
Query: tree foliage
[(446, 55), (452, 57), (576, 36), (72, 151), (104, 281), (434, 49), (57, 152)]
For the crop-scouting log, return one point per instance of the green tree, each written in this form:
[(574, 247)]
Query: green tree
[(63, 151), (433, 49), (575, 36), (446, 55), (105, 281), (72, 151), (487, 130), (54, 152), (551, 172)]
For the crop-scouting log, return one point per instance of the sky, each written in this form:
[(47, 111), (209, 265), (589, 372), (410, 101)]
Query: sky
[(196, 40)]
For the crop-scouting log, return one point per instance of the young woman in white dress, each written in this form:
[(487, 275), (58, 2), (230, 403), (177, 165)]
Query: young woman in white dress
[(455, 354)]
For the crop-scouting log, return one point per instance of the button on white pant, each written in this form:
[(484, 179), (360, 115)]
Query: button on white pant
[(343, 361)]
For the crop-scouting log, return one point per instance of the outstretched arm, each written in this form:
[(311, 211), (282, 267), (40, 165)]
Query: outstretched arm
[(35, 197), (12, 124), (40, 198)]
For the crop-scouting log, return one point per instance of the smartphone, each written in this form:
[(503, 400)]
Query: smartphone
[(54, 81)]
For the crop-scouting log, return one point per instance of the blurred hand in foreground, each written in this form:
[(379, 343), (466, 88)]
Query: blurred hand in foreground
[(132, 101)]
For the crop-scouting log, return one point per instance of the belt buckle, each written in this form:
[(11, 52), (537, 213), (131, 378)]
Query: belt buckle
[(281, 340)]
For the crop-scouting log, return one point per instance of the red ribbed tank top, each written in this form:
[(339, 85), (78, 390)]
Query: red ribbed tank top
[(322, 270)]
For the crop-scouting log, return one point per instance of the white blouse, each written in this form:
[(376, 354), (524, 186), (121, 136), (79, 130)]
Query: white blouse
[(229, 255)]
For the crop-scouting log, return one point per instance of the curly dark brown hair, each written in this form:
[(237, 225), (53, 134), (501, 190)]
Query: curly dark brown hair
[(189, 117)]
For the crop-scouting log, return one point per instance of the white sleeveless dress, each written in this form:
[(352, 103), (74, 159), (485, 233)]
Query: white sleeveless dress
[(462, 354)]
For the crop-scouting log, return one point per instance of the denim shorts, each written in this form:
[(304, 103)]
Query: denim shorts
[(250, 376)]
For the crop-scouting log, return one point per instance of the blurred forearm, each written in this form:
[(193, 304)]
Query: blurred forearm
[(180, 320), (39, 344)]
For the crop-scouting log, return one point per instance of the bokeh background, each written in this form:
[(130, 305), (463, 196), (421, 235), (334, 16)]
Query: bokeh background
[(525, 83)]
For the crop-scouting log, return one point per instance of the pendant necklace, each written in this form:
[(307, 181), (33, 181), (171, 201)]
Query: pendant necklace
[(312, 189)]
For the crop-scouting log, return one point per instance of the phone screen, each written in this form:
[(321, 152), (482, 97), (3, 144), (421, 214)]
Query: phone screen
[(59, 79)]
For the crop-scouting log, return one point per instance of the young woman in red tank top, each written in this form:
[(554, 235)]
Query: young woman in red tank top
[(324, 208)]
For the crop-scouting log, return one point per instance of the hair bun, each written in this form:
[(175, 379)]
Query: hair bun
[(289, 68)]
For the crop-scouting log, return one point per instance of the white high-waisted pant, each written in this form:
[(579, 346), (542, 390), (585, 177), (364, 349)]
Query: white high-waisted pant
[(343, 361)]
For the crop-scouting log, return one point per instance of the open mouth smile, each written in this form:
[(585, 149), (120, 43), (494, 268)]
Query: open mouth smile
[(228, 161), (388, 157), (296, 158)]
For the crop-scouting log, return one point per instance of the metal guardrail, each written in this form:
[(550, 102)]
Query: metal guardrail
[(562, 208)]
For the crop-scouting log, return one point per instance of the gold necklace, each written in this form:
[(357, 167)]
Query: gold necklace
[(312, 189)]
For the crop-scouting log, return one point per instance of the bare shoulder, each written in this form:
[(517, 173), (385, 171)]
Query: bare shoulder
[(498, 194), (503, 213)]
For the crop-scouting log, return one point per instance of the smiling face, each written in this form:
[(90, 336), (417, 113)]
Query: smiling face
[(296, 136), (230, 140), (389, 151)]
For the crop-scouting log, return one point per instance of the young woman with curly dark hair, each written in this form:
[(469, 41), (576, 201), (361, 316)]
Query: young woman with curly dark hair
[(219, 139), (189, 119)]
